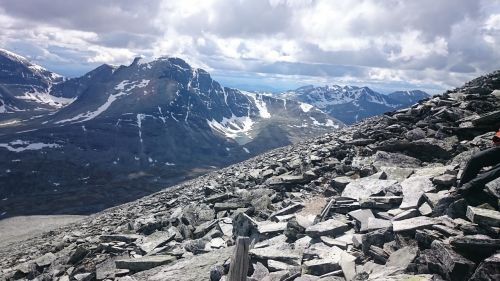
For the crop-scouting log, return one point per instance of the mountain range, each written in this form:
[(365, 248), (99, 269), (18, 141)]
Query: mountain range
[(118, 133), (351, 104)]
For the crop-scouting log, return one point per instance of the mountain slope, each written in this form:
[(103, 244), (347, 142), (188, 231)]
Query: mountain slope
[(31, 83), (133, 129), (374, 201), (351, 104)]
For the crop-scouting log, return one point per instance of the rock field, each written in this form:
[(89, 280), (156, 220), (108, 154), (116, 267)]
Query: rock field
[(374, 201)]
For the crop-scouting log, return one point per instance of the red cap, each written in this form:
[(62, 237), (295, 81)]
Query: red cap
[(496, 137)]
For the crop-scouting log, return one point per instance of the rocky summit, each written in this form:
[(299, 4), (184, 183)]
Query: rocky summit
[(373, 201)]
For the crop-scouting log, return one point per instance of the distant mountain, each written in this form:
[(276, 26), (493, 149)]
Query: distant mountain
[(26, 86), (351, 104), (408, 97), (130, 130)]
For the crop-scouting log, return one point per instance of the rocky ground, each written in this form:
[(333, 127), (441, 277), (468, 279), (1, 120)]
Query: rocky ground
[(374, 201)]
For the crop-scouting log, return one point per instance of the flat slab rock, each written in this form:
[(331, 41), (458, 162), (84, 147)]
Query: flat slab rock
[(483, 216), (365, 187), (413, 188), (193, 268), (144, 263), (330, 227), (412, 223)]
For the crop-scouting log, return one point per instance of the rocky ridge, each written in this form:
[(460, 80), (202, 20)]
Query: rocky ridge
[(374, 201)]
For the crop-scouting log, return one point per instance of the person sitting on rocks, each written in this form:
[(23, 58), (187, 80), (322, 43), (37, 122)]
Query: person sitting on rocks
[(486, 158)]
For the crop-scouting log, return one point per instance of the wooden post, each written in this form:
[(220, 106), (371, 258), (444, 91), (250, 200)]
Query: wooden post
[(239, 262)]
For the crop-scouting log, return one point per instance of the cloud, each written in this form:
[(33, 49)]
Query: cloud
[(436, 44)]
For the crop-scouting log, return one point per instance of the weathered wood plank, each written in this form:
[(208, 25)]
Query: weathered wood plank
[(239, 261)]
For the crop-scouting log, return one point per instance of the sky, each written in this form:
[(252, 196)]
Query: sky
[(267, 45)]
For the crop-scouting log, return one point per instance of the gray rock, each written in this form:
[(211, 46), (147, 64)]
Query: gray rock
[(475, 245), (375, 223), (389, 159), (425, 209), (191, 268), (319, 267), (144, 263), (275, 265), (380, 202), (77, 255), (493, 187), (268, 227), (341, 182), (483, 216), (45, 260), (412, 224), (84, 276), (286, 255), (260, 271), (407, 214), (445, 180), (396, 173), (413, 188), (377, 238), (216, 272), (243, 225), (204, 228), (330, 227), (488, 270), (228, 206), (334, 242), (348, 266), (365, 187), (127, 238), (157, 239), (286, 211), (456, 267), (361, 217), (415, 134), (402, 257)]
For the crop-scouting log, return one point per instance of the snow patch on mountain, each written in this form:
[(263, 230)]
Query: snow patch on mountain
[(20, 145), (130, 85), (305, 107), (89, 115), (234, 127), (259, 103), (46, 98), (329, 123)]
